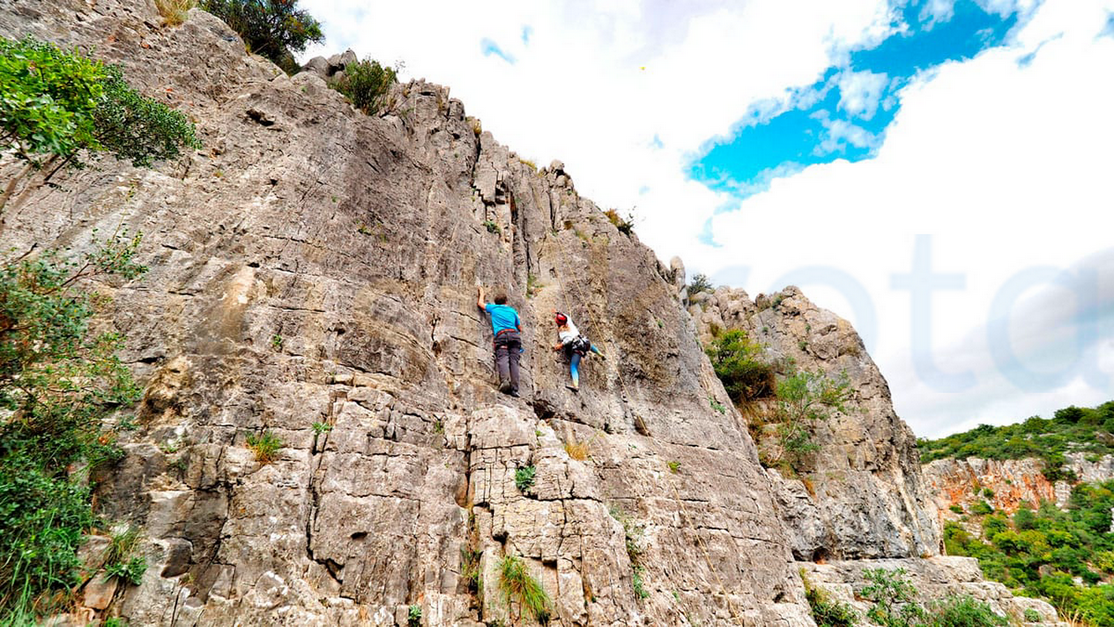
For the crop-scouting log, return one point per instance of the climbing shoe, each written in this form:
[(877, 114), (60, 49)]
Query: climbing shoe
[(574, 387)]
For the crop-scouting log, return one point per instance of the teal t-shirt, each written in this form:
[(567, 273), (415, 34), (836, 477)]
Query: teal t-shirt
[(502, 317)]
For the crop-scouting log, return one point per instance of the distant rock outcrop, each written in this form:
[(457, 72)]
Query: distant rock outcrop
[(862, 495)]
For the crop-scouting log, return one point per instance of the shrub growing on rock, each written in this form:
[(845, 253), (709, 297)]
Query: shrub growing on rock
[(368, 84), (58, 384), (54, 104), (738, 364), (519, 588), (275, 29)]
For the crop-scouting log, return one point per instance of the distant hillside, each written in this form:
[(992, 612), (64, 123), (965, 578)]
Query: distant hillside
[(1072, 429)]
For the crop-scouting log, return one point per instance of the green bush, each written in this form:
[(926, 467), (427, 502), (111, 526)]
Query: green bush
[(58, 384), (524, 478), (700, 283), (275, 29), (265, 445), (738, 364), (414, 616), (893, 598), (130, 571), (1044, 549), (519, 588), (367, 84), (136, 128), (55, 103), (825, 611), (804, 399), (964, 611), (637, 584)]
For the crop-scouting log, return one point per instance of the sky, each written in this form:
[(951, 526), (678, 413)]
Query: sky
[(938, 172)]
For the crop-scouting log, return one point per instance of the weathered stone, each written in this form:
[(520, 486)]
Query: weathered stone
[(861, 495), (99, 591)]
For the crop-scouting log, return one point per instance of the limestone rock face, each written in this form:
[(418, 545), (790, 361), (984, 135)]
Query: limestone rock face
[(312, 265), (934, 578), (862, 495)]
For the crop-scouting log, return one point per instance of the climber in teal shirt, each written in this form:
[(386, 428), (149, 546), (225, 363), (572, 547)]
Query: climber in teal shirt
[(508, 339)]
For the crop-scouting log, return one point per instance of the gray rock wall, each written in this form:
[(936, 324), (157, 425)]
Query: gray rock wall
[(861, 496), (314, 265)]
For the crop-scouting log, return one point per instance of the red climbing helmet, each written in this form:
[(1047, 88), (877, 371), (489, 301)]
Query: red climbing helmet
[(561, 319)]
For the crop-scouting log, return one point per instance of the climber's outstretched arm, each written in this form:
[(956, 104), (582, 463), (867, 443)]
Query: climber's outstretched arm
[(480, 298)]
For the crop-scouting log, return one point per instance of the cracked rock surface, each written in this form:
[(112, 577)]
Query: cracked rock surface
[(862, 495), (315, 265)]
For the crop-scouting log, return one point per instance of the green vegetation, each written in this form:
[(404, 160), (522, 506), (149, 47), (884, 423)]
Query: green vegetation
[(519, 588), (1087, 430), (700, 283), (825, 611), (492, 227), (58, 385), (265, 445), (632, 533), (524, 478), (674, 467), (893, 598), (716, 405), (367, 84), (414, 616), (320, 428), (738, 364), (276, 342), (964, 611), (893, 603), (625, 225), (804, 399), (640, 591), (1039, 552), (130, 571), (54, 104), (470, 570), (275, 29)]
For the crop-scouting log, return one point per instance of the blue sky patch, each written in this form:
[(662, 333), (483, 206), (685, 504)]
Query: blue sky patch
[(844, 115), (489, 48)]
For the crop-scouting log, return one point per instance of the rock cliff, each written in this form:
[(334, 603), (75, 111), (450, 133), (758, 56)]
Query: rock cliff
[(313, 273), (862, 495), (315, 265)]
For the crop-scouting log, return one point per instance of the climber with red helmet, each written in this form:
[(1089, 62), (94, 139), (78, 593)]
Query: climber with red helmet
[(575, 345)]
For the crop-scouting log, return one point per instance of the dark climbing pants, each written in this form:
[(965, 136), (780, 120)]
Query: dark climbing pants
[(508, 348)]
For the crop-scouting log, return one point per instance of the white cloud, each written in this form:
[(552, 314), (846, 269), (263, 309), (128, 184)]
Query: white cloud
[(860, 92), (1008, 163)]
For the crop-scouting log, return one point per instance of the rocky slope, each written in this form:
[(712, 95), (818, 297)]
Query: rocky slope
[(313, 264), (862, 495)]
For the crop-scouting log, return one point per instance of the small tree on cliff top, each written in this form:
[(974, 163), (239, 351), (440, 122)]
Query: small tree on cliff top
[(275, 29)]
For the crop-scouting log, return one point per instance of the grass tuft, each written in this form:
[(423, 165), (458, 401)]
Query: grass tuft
[(174, 12), (519, 587), (265, 446)]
